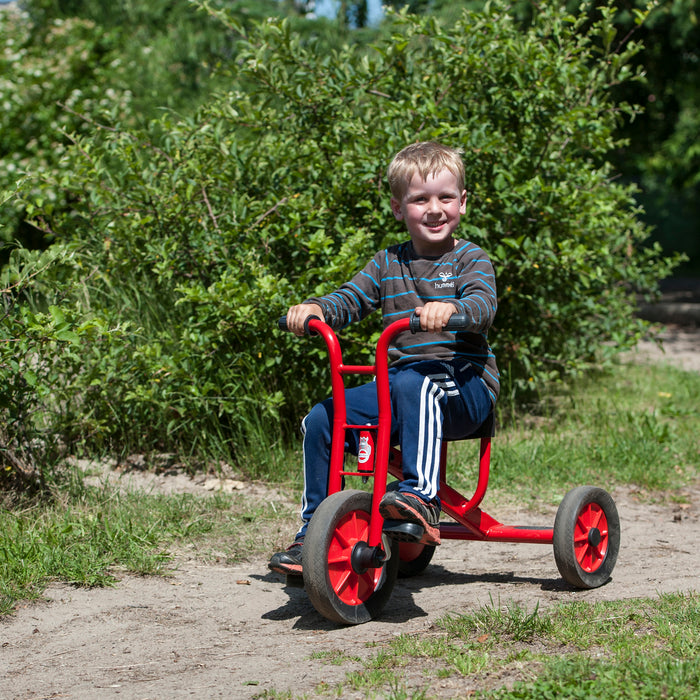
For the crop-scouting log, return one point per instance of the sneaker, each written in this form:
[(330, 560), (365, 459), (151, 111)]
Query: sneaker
[(289, 561), (407, 507)]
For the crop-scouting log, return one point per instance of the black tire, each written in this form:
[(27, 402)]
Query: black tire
[(414, 558), (586, 537), (335, 586)]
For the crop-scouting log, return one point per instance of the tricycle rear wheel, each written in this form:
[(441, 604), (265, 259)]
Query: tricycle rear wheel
[(414, 558), (586, 537), (338, 581)]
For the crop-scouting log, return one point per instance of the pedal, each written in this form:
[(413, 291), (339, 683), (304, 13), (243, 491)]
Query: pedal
[(403, 531)]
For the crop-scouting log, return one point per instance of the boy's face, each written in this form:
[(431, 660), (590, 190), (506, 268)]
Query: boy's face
[(431, 209)]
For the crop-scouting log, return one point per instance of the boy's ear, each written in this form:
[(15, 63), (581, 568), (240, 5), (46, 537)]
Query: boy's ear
[(396, 208), (463, 202)]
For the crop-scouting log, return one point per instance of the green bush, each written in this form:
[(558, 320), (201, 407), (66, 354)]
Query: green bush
[(45, 407), (48, 74), (198, 233)]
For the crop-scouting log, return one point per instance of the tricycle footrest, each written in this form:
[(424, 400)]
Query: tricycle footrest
[(403, 531)]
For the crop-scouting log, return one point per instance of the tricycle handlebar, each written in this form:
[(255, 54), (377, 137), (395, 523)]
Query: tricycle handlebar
[(282, 323), (456, 322)]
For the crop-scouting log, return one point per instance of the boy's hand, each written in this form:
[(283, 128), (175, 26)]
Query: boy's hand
[(297, 315), (434, 315)]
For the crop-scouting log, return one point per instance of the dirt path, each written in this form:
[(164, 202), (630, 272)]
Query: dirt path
[(236, 632)]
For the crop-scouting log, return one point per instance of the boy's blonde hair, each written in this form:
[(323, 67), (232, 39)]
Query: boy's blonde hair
[(425, 158)]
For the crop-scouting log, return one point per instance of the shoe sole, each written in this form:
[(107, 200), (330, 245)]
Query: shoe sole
[(400, 511), (289, 569)]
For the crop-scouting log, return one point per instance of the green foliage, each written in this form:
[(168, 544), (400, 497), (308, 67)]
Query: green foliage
[(188, 373), (48, 73), (65, 65), (168, 51), (663, 153), (660, 151), (199, 232), (43, 349)]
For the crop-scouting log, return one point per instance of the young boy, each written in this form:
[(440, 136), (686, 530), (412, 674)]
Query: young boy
[(443, 385)]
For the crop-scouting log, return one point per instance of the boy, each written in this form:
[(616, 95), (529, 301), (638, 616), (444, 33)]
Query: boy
[(444, 385)]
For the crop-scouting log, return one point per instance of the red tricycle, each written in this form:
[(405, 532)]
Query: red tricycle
[(351, 562)]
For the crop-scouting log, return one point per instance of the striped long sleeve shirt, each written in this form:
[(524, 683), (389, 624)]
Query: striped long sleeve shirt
[(397, 281)]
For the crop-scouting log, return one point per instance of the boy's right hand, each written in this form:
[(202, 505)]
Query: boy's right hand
[(297, 315)]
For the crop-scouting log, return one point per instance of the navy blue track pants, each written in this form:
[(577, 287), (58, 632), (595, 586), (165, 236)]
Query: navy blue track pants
[(430, 401)]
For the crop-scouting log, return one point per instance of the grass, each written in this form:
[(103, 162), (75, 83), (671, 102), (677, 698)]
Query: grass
[(88, 533), (635, 649), (631, 649), (636, 425)]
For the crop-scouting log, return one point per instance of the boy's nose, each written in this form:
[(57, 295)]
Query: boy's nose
[(433, 204)]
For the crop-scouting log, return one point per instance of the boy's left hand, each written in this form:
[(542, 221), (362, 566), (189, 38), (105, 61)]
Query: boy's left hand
[(435, 315)]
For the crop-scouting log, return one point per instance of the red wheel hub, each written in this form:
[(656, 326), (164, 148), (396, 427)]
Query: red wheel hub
[(591, 537), (351, 587)]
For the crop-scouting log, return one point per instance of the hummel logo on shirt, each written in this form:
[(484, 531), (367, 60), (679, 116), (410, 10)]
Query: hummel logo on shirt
[(445, 277)]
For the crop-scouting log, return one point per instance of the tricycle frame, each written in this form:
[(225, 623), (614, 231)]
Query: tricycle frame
[(471, 523)]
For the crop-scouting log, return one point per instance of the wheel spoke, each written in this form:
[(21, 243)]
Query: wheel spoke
[(345, 585), (340, 558), (580, 537), (582, 553), (339, 549), (343, 538), (595, 514), (365, 584), (358, 525), (588, 559)]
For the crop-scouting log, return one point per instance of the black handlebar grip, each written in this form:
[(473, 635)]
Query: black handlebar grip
[(456, 322), (306, 323), (282, 324)]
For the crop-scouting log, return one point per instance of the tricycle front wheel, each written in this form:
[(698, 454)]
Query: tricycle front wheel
[(343, 578), (586, 537)]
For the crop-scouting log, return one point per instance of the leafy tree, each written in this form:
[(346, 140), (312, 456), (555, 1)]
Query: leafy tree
[(199, 232), (171, 48), (62, 58), (48, 75), (662, 153), (658, 148)]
